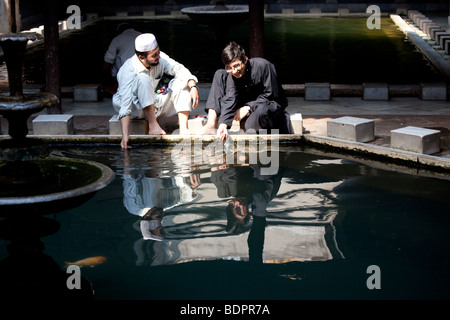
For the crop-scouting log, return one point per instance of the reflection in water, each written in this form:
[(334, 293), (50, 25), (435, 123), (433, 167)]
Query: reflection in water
[(235, 213), (323, 221)]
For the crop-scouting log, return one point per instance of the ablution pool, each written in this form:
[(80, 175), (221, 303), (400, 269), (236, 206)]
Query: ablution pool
[(313, 228), (339, 50)]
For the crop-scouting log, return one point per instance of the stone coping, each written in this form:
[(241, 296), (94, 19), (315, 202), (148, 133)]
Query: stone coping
[(383, 156)]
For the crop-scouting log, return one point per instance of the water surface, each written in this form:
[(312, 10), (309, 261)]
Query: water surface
[(312, 229)]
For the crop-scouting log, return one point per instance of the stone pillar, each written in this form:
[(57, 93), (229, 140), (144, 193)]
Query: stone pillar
[(9, 16), (51, 37), (256, 28)]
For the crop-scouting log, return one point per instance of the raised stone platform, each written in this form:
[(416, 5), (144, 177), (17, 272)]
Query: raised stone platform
[(416, 139), (53, 124), (351, 128)]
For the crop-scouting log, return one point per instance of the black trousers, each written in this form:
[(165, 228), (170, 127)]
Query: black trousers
[(266, 115)]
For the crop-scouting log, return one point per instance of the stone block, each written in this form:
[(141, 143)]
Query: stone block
[(417, 18), (422, 23), (447, 48), (443, 40), (439, 35), (148, 13), (317, 91), (87, 92), (436, 32), (53, 124), (375, 91), (287, 11), (430, 30), (416, 139), (434, 91), (351, 128), (137, 127), (315, 10), (195, 125), (411, 13), (343, 11), (296, 120)]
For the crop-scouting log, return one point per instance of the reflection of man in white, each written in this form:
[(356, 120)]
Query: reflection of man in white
[(138, 79)]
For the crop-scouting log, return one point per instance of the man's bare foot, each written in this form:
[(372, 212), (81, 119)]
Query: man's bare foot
[(156, 131), (184, 132), (208, 128)]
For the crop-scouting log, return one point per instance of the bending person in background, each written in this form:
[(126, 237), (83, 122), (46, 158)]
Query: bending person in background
[(120, 50)]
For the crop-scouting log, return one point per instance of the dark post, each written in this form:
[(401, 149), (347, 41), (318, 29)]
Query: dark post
[(51, 37), (256, 28)]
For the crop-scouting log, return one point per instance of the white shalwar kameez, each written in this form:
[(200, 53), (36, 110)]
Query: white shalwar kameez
[(137, 86)]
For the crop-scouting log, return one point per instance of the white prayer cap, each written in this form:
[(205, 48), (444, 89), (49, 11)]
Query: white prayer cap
[(145, 42)]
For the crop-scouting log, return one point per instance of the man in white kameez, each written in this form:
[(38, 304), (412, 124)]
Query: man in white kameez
[(138, 79)]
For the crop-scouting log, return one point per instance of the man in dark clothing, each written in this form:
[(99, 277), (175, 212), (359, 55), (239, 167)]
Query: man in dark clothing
[(247, 90)]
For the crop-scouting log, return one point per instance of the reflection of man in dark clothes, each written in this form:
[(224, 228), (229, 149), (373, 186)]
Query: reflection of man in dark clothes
[(248, 91), (248, 189)]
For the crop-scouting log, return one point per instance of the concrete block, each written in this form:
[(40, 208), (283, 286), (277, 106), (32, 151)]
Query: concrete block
[(195, 125), (53, 124), (87, 92), (439, 35), (296, 120), (351, 128), (287, 11), (417, 18), (315, 10), (400, 11), (343, 11), (436, 32), (443, 40), (375, 91), (422, 23), (148, 13), (411, 13), (434, 91), (317, 91), (416, 139), (137, 127), (447, 48), (430, 30)]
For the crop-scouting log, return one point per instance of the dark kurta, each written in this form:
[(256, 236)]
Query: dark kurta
[(259, 88)]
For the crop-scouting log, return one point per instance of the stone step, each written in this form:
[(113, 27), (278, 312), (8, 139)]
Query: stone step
[(53, 124), (416, 139), (137, 126), (351, 128)]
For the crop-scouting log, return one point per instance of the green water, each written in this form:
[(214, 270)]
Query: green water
[(335, 50), (327, 221)]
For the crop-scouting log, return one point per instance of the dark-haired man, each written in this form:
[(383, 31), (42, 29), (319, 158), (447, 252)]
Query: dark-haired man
[(247, 90)]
